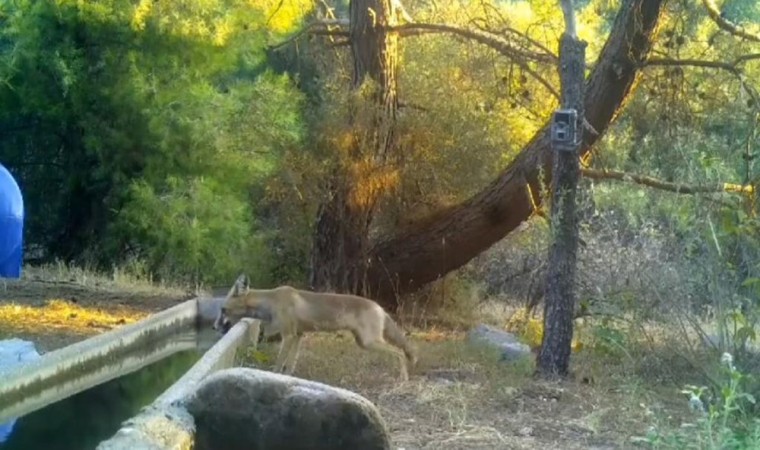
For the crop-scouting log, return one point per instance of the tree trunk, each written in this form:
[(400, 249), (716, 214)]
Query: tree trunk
[(339, 254), (553, 359), (408, 261)]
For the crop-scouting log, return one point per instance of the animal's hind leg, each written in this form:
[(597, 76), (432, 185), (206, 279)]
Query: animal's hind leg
[(384, 347), (292, 356), (378, 344)]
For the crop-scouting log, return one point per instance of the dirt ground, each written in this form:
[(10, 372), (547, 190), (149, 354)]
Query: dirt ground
[(459, 396), (55, 309)]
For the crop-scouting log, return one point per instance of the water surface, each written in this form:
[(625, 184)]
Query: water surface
[(83, 420)]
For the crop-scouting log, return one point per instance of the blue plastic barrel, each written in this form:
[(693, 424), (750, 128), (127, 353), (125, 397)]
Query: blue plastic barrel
[(11, 225)]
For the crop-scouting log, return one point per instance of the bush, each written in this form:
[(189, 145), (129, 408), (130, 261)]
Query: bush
[(724, 418), (194, 231)]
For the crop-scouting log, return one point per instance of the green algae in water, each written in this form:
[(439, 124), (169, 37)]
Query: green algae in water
[(82, 421)]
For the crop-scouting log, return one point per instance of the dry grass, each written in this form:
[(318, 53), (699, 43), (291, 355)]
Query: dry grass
[(61, 317), (57, 305), (72, 283), (461, 397)]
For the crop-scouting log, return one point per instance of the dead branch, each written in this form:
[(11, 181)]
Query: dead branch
[(678, 188), (727, 25)]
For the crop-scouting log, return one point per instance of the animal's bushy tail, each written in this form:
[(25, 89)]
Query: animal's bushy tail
[(393, 335)]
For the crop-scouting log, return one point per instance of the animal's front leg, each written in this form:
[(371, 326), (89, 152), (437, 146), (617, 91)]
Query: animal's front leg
[(282, 356), (292, 358)]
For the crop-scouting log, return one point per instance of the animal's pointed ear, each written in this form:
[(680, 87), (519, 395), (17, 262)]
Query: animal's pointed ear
[(237, 288)]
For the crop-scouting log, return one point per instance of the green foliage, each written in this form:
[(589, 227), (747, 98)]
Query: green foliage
[(741, 11), (133, 126), (158, 131), (186, 231), (727, 422), (608, 339)]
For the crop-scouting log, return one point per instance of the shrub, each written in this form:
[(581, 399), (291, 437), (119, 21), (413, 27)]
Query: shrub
[(724, 420)]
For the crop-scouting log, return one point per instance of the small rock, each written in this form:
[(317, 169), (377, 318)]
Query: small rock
[(526, 431), (251, 409), (511, 347), (445, 376)]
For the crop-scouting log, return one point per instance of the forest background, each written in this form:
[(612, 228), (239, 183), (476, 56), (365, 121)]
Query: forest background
[(186, 142)]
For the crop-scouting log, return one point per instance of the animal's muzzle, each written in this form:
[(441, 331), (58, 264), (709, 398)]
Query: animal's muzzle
[(222, 323)]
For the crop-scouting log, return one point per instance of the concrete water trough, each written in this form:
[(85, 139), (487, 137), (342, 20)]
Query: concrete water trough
[(166, 424), (29, 387)]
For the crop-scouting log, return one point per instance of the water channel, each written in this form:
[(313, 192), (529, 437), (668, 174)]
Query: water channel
[(106, 397)]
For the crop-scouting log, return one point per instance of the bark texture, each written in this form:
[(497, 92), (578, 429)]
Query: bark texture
[(339, 253), (554, 357), (406, 262)]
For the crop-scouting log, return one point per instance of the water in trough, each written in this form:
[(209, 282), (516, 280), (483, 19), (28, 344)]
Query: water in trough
[(82, 420)]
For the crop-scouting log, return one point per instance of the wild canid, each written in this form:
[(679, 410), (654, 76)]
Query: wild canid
[(292, 312)]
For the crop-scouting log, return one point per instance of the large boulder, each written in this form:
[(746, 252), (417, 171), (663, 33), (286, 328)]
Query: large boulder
[(507, 343), (252, 409)]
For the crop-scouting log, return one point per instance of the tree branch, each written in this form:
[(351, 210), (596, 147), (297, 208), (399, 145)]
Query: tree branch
[(417, 255), (731, 67), (322, 27), (725, 24), (747, 57), (569, 15), (501, 45), (489, 39), (482, 25), (495, 42), (678, 188)]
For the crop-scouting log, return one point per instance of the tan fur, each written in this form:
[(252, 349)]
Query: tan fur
[(291, 312)]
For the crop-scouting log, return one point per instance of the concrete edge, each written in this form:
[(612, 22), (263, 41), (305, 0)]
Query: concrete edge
[(107, 372), (165, 424), (220, 356), (58, 366), (208, 308)]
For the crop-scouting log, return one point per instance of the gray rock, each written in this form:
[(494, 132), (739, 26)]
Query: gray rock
[(252, 409), (717, 341), (511, 348)]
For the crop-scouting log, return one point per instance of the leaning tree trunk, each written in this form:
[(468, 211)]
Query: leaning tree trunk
[(340, 246), (409, 261), (553, 359)]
